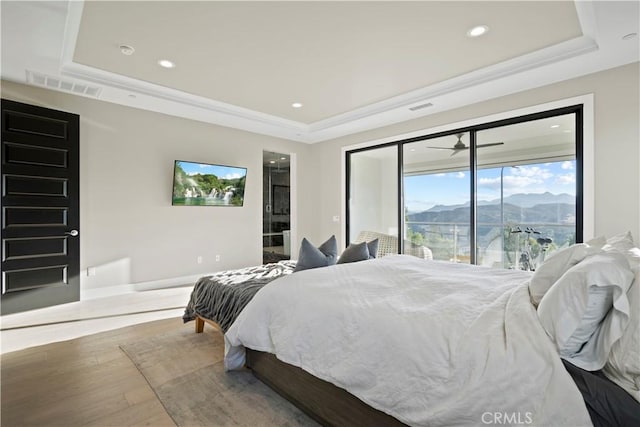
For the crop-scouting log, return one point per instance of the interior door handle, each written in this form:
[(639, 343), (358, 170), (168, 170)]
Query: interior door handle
[(72, 233)]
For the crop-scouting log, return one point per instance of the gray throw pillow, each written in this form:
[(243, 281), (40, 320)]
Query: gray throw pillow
[(355, 252), (312, 257), (373, 248)]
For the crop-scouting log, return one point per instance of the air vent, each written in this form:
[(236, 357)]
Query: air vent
[(57, 83), (421, 106)]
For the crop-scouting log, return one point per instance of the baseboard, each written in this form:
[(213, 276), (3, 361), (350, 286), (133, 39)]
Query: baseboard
[(173, 282), (87, 293), (106, 291)]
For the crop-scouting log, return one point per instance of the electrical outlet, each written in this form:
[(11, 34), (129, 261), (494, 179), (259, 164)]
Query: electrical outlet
[(217, 258), (199, 259), (91, 271), (336, 218)]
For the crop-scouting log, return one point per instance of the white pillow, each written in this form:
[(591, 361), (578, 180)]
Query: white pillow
[(621, 242), (598, 305), (623, 365), (577, 311), (632, 254), (558, 263)]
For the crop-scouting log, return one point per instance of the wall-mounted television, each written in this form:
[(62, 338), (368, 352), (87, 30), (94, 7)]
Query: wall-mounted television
[(205, 184)]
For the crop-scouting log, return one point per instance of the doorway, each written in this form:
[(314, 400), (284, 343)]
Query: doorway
[(276, 207)]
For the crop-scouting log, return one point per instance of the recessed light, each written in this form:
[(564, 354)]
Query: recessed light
[(283, 158), (296, 105), (555, 126), (125, 49), (477, 31), (166, 63), (629, 36), (272, 161)]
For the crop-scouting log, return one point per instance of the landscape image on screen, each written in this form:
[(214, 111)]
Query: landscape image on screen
[(202, 184)]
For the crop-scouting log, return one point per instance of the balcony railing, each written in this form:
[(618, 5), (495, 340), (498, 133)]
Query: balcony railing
[(496, 245)]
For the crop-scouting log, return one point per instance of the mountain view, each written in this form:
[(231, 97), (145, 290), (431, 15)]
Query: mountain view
[(524, 200), (522, 209), (552, 214)]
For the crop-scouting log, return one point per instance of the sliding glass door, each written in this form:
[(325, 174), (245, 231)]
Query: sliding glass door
[(436, 183), (526, 191), (503, 194), (372, 194)]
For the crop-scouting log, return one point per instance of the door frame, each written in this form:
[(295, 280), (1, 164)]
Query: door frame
[(586, 150)]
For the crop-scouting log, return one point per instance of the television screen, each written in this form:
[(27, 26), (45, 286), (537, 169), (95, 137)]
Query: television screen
[(203, 184)]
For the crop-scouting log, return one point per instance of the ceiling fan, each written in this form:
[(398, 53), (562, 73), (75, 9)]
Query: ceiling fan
[(460, 146)]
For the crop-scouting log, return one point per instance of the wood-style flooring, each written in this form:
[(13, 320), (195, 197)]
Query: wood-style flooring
[(87, 381)]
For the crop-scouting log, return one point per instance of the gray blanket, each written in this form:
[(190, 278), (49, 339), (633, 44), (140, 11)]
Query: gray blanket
[(222, 296)]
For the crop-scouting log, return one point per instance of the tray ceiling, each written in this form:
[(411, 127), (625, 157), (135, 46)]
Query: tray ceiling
[(353, 65)]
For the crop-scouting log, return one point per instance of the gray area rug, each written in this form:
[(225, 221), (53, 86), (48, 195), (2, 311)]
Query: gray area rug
[(186, 372)]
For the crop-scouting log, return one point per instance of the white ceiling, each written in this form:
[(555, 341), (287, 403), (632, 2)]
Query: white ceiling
[(354, 65), (551, 139)]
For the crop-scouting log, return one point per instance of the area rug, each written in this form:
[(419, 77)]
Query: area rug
[(186, 372)]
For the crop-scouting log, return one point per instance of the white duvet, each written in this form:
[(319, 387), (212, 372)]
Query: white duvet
[(430, 343)]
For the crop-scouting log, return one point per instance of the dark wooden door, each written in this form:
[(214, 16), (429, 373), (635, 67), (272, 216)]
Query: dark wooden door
[(40, 207)]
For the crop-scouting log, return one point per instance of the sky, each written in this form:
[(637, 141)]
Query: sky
[(425, 191), (226, 172)]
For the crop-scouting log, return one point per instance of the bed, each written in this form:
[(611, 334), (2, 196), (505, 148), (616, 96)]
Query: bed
[(400, 340)]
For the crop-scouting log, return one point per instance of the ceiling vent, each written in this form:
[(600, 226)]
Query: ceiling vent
[(421, 106), (65, 85)]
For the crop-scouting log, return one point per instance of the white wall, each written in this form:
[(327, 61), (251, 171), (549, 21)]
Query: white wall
[(128, 229), (617, 146)]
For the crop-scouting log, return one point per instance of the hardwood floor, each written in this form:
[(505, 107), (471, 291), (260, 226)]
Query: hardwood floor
[(87, 381), (68, 321)]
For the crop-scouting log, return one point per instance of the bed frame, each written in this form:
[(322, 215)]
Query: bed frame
[(324, 402), (321, 400), (200, 321)]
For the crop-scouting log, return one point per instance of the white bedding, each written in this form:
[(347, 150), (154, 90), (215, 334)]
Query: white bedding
[(430, 343)]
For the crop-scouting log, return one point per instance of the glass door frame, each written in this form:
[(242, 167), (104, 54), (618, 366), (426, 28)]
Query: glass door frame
[(400, 210), (576, 109)]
